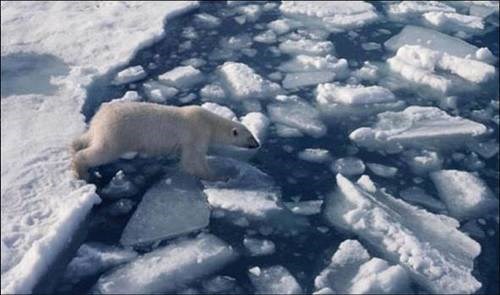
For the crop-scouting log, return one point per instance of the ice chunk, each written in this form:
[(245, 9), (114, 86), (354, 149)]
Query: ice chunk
[(382, 170), (222, 111), (465, 195), (274, 280), (221, 285), (242, 82), (169, 268), (417, 126), (258, 247), (353, 271), (95, 258), (251, 195), (416, 195), (437, 256), (296, 80), (352, 94), (307, 63), (286, 131), (296, 113), (331, 15), (158, 92), (129, 75), (315, 155), (371, 46), (120, 207), (183, 77), (119, 187), (305, 207), (486, 149), (257, 123), (282, 26), (423, 161), (173, 206), (194, 62), (454, 21), (305, 46), (267, 37), (368, 72), (128, 96), (348, 166), (207, 20), (443, 43), (251, 12), (212, 92), (407, 9)]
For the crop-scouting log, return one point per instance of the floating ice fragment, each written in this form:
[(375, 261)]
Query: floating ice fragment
[(158, 92), (348, 166), (220, 110), (274, 280), (257, 247), (182, 77), (305, 207), (423, 161), (296, 80), (416, 195), (305, 46), (119, 187), (382, 170), (257, 123), (129, 75), (315, 155)]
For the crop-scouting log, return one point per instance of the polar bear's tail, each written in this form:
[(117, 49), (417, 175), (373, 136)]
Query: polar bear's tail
[(80, 143)]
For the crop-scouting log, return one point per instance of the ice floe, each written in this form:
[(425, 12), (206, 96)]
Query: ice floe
[(258, 247), (273, 280), (437, 256), (305, 207), (419, 127), (296, 113), (257, 123), (348, 166), (182, 77), (242, 82), (315, 155), (306, 46), (308, 63), (382, 170), (353, 271), (159, 92), (173, 206), (416, 195), (129, 75), (169, 268), (423, 161), (220, 110), (465, 195)]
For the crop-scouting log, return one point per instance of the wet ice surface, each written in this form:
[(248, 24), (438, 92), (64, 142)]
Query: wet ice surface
[(321, 94)]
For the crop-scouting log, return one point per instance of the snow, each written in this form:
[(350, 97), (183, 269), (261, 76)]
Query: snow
[(465, 195), (306, 46), (419, 127), (437, 256), (296, 113), (333, 16), (315, 155), (242, 82), (382, 170), (169, 268), (348, 166), (274, 280), (183, 77), (175, 205), (42, 206), (129, 75), (353, 271), (92, 259), (257, 247), (250, 195)]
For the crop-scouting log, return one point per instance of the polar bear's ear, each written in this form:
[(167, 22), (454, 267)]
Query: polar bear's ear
[(235, 132)]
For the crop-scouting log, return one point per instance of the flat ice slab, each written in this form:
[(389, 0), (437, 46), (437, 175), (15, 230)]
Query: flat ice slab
[(242, 82), (249, 196), (353, 271), (273, 280), (168, 269), (417, 126), (129, 75), (331, 15), (306, 46), (438, 256), (296, 113), (173, 206), (465, 195), (182, 77)]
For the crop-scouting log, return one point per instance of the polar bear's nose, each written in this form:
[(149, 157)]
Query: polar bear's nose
[(252, 143)]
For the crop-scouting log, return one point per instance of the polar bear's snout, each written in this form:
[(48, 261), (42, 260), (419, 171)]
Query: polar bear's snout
[(252, 143)]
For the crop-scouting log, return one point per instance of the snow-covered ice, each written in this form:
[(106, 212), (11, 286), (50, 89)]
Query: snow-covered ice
[(92, 259), (242, 82), (465, 195), (173, 206), (308, 63), (418, 127), (296, 113), (273, 280), (182, 77), (353, 271), (437, 256), (306, 46), (258, 247), (169, 268), (129, 75)]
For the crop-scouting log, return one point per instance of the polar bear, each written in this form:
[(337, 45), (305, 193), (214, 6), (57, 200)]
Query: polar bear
[(153, 129)]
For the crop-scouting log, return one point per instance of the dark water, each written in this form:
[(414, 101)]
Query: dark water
[(305, 256)]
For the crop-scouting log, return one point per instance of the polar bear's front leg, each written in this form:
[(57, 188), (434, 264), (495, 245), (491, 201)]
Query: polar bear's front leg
[(194, 162), (92, 156)]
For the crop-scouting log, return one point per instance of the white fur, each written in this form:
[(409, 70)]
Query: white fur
[(155, 129)]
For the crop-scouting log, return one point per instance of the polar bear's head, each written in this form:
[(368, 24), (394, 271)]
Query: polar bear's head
[(242, 137)]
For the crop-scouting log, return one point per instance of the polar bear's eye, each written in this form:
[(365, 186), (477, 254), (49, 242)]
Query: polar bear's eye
[(235, 132)]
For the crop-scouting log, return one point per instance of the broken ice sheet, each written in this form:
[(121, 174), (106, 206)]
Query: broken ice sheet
[(169, 268), (437, 256), (353, 271), (129, 75), (174, 205), (273, 280)]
